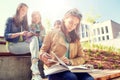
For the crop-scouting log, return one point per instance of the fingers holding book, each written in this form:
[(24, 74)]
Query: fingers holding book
[(66, 60), (47, 59)]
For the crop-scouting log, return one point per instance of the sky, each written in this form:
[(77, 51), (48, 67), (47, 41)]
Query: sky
[(55, 9)]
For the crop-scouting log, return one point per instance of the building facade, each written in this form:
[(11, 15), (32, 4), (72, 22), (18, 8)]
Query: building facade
[(102, 33), (97, 32)]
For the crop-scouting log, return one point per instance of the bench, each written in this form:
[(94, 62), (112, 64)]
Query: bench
[(106, 75), (14, 67)]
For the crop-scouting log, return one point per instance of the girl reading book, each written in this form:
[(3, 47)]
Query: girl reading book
[(65, 43)]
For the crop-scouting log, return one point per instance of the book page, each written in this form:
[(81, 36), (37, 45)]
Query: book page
[(59, 60), (79, 68)]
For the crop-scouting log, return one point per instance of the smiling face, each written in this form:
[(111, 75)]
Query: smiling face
[(23, 11), (71, 22), (36, 18)]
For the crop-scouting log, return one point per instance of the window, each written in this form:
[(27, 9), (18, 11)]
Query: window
[(102, 30), (98, 31), (107, 37), (95, 39), (103, 38), (106, 28), (94, 31), (99, 39), (86, 34), (83, 35), (86, 30), (82, 28), (86, 26)]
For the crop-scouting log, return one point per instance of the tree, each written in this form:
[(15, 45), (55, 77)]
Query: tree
[(47, 25), (90, 19)]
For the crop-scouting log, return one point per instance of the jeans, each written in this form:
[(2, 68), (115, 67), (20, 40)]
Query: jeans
[(84, 76), (67, 75)]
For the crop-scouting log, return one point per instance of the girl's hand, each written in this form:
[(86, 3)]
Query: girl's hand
[(29, 34), (23, 33), (47, 59), (37, 34), (65, 60)]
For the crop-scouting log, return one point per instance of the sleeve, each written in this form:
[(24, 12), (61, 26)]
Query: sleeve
[(8, 29), (79, 58), (46, 43), (42, 34)]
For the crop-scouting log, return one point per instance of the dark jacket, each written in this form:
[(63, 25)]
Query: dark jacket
[(12, 28)]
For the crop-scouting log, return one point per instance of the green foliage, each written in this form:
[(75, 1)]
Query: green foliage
[(86, 45), (91, 18), (100, 66), (47, 25), (118, 51), (109, 49), (115, 65)]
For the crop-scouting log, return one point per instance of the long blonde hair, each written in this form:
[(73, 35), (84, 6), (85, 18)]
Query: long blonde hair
[(40, 23)]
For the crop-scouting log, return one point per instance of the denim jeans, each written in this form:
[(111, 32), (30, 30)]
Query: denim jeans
[(67, 75), (84, 76)]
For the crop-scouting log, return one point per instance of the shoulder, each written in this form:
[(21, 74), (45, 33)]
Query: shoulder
[(77, 42), (54, 33), (10, 19)]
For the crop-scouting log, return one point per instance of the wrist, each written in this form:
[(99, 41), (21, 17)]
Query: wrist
[(19, 34), (70, 63), (41, 56)]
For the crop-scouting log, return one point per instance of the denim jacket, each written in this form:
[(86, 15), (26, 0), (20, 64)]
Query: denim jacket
[(10, 29)]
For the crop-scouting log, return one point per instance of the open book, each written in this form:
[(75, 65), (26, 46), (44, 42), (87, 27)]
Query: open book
[(81, 68), (60, 66)]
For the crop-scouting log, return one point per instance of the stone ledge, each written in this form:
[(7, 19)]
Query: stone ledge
[(15, 68), (2, 42)]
